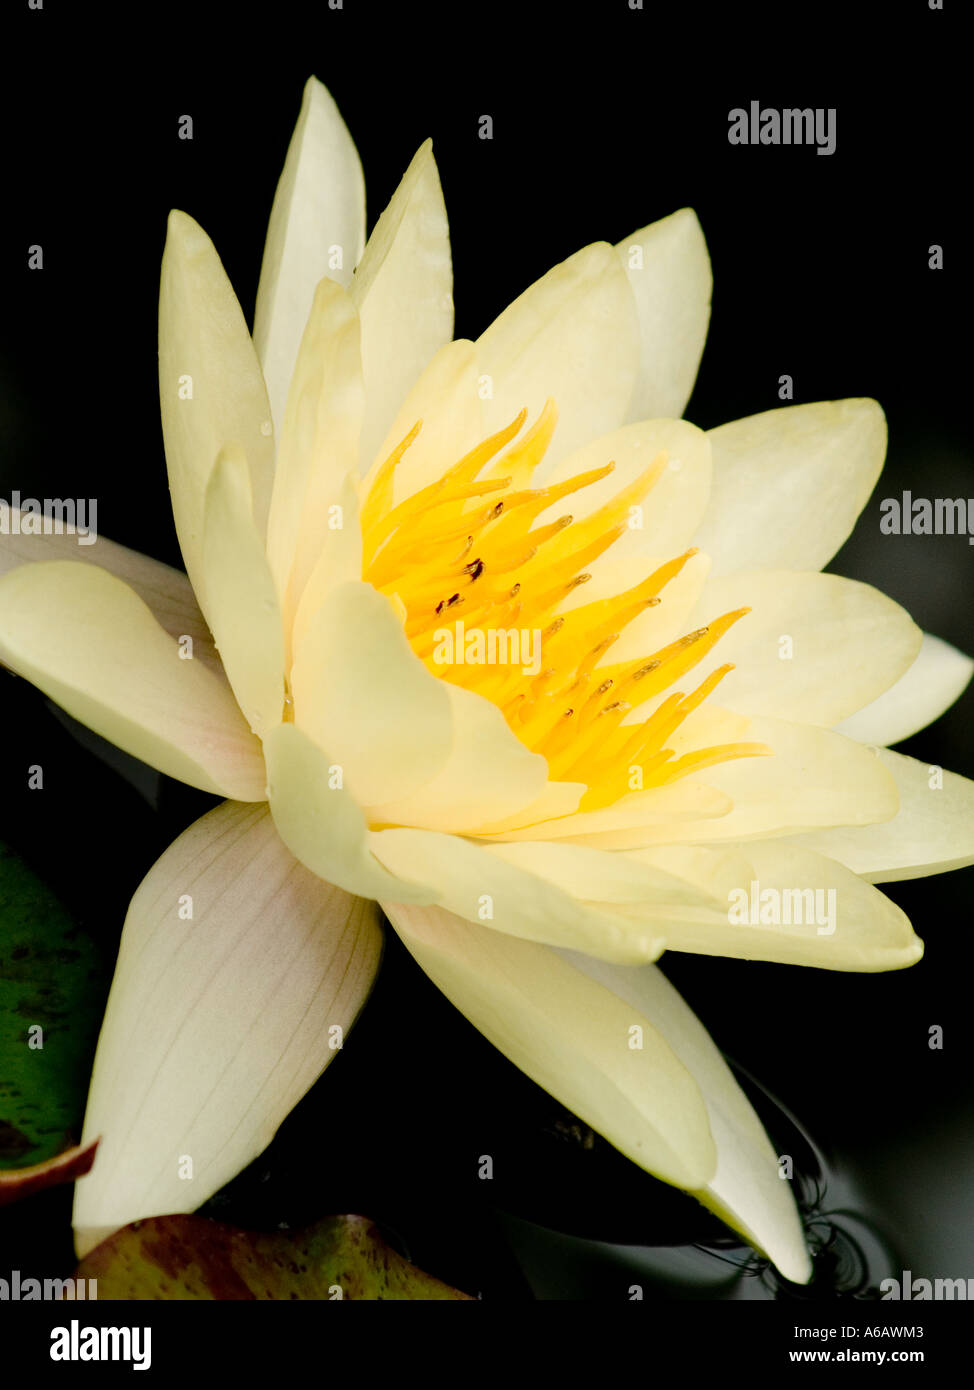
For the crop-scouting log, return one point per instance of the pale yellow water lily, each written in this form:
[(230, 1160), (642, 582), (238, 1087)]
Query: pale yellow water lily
[(708, 711)]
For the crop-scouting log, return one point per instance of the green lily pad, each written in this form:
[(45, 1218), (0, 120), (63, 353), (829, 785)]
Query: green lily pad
[(52, 994), (191, 1257)]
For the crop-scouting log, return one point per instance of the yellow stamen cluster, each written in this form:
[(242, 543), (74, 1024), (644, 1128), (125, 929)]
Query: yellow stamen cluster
[(464, 548)]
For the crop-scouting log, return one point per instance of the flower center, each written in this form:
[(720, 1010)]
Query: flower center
[(464, 551)]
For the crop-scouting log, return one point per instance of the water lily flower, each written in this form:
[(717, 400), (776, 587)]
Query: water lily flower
[(354, 492)]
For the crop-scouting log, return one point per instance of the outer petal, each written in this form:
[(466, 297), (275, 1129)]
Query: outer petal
[(572, 336), (932, 832), (322, 824), (218, 1022), (404, 293), (91, 644), (360, 690), (570, 1035), (813, 648), (319, 442), (669, 272), (939, 676), (747, 1190), (841, 923), (210, 385), (242, 599), (481, 887), (167, 592), (317, 228), (788, 485)]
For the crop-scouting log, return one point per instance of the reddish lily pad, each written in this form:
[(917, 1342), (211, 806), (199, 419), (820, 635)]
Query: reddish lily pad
[(65, 1167), (191, 1257)]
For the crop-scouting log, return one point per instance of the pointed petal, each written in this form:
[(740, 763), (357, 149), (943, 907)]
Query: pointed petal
[(165, 591), (658, 814), (218, 1023), (573, 336), (320, 821), (386, 718), (814, 778), (317, 217), (666, 521), (939, 676), (571, 1035), (747, 1190), (556, 799), (788, 485), (91, 644), (932, 832), (480, 886), (813, 648), (318, 446), (592, 875), (241, 597), (817, 913), (211, 390), (339, 559), (489, 775), (446, 401), (403, 290), (669, 272)]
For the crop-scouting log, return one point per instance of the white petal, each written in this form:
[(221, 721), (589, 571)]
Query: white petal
[(773, 900), (218, 1022), (165, 591), (813, 778), (320, 821), (658, 814), (813, 648), (573, 336), (489, 775), (339, 558), (91, 644), (747, 1190), (939, 676), (669, 271), (593, 875), (479, 886), (318, 446), (211, 391), (932, 832), (446, 401), (403, 289), (241, 598), (788, 485), (360, 691), (318, 215), (666, 520), (571, 1036)]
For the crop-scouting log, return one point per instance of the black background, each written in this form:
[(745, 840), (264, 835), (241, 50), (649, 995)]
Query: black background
[(604, 120)]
